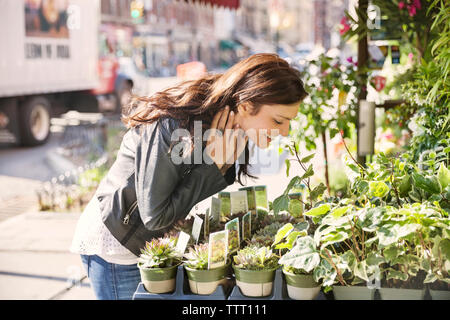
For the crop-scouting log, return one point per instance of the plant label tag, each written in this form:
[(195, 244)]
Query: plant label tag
[(238, 201), (261, 197), (183, 239), (217, 249), (225, 206), (197, 227), (251, 198), (247, 226), (215, 210), (206, 225), (233, 235)]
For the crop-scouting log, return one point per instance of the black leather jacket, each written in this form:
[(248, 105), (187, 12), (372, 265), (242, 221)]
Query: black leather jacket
[(144, 192)]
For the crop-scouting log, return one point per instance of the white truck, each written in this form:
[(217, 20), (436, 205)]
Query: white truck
[(49, 63)]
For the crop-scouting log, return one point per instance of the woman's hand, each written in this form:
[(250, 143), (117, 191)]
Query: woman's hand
[(226, 140)]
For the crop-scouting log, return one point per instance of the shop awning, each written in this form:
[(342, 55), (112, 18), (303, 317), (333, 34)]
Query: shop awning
[(230, 4)]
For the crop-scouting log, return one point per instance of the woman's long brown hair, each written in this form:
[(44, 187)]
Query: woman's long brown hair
[(261, 79)]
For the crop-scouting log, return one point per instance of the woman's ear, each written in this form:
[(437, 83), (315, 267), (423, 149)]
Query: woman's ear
[(244, 109)]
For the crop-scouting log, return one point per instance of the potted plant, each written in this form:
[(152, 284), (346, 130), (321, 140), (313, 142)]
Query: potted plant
[(349, 259), (254, 268), (414, 243), (203, 280), (299, 262), (158, 264)]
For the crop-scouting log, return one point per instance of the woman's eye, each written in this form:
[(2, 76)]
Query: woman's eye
[(277, 122)]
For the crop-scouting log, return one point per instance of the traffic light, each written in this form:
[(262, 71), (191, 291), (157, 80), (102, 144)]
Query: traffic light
[(137, 10)]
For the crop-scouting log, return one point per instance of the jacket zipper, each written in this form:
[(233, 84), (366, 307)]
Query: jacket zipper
[(126, 219)]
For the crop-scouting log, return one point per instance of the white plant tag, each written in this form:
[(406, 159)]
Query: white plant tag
[(197, 227), (238, 201), (217, 249), (247, 226), (183, 239), (233, 236), (215, 210)]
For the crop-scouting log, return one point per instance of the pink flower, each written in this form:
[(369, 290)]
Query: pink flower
[(417, 4), (344, 26), (401, 5), (350, 59), (412, 10)]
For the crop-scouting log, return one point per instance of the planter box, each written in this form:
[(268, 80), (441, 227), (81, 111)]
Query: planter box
[(401, 294), (181, 292), (300, 286), (440, 294), (353, 293)]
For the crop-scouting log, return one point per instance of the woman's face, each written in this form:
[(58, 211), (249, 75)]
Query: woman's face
[(271, 121)]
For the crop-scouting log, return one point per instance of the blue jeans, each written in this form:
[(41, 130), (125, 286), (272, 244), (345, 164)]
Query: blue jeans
[(111, 281)]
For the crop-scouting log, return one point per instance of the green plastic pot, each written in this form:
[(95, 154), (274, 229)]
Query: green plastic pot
[(353, 293), (255, 283), (301, 286), (206, 281), (401, 294), (159, 280)]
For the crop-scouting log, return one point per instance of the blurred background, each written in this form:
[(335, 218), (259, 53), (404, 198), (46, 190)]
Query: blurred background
[(68, 66)]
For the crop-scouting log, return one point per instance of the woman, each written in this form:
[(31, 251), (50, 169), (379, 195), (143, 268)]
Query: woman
[(157, 177)]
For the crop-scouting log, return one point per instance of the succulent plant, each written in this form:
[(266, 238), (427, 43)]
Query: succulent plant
[(159, 253), (266, 235), (255, 258), (197, 257), (267, 219)]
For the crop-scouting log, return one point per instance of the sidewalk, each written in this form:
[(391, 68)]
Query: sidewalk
[(35, 262)]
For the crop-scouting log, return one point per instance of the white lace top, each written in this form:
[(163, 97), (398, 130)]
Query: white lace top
[(92, 237)]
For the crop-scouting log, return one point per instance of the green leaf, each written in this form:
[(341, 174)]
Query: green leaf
[(307, 158), (302, 256), (283, 232), (317, 191), (360, 270), (430, 278), (444, 246), (378, 189), (374, 259), (429, 184), (362, 187), (288, 166), (348, 261), (294, 181), (390, 253), (369, 219), (405, 185), (398, 275), (304, 225), (308, 173), (326, 272), (407, 229), (318, 211), (338, 212), (334, 238), (443, 176), (281, 204), (386, 236), (353, 167)]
